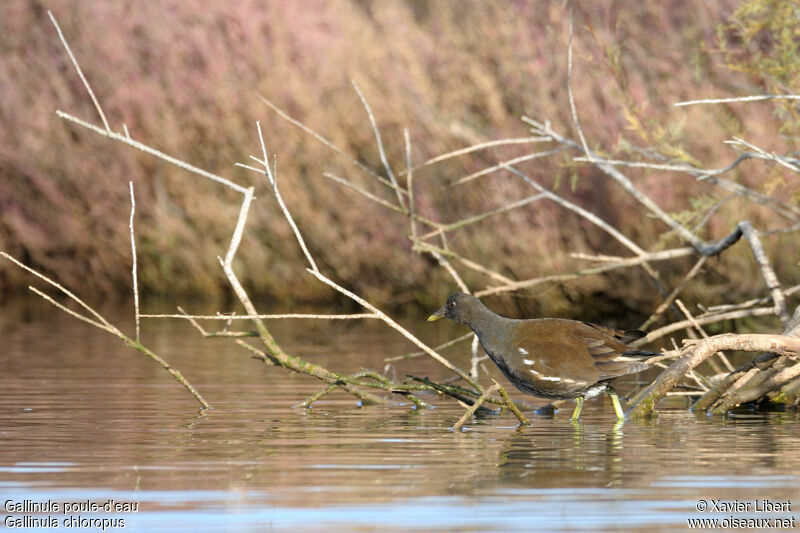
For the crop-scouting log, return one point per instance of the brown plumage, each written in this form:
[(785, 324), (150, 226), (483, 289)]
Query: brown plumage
[(550, 357)]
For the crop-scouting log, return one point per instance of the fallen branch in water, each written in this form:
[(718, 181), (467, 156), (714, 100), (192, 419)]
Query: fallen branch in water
[(474, 407), (97, 320), (697, 352)]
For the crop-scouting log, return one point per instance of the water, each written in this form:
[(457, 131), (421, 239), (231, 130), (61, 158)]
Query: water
[(85, 420)]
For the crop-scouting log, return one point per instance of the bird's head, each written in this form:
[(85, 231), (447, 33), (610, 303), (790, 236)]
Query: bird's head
[(459, 307)]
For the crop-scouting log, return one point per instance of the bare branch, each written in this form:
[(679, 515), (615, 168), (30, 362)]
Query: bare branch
[(133, 272), (475, 148), (80, 74), (324, 141), (475, 406), (675, 292), (264, 317), (763, 154), (410, 185), (69, 311), (273, 180), (364, 192), (429, 248), (152, 151), (450, 270), (482, 216), (633, 261), (710, 319), (770, 279), (107, 325), (756, 98), (447, 344), (404, 332), (572, 107), (505, 164), (703, 334), (644, 403), (381, 151)]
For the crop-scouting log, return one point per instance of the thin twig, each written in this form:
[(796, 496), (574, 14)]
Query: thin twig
[(472, 265), (324, 141), (107, 325), (80, 74), (755, 98), (69, 311), (588, 215), (152, 151), (710, 319), (264, 317), (381, 151), (129, 342), (572, 107), (747, 304), (273, 181), (364, 192), (503, 164), (482, 216), (389, 321), (474, 407), (474, 357), (703, 334), (766, 155), (134, 274), (523, 420), (410, 185), (445, 263), (633, 261), (711, 175), (675, 292), (436, 348), (626, 184), (476, 147)]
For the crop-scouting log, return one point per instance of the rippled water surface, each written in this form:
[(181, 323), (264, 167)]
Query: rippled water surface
[(85, 420)]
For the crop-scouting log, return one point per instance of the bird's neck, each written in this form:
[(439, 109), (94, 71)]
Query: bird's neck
[(486, 324)]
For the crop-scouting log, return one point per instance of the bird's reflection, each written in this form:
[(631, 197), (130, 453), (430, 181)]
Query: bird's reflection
[(554, 449)]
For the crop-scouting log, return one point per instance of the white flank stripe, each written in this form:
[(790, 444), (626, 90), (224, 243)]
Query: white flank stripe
[(544, 378), (523, 351)]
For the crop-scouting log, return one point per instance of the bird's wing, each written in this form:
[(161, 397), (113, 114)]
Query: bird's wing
[(625, 336), (551, 354), (585, 352)]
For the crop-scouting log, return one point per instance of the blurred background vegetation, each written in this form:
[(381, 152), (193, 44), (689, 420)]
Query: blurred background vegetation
[(183, 75)]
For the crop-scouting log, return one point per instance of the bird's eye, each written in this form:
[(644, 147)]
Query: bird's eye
[(451, 305)]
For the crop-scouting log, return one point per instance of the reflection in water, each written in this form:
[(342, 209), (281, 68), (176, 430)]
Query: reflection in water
[(82, 418), (550, 454)]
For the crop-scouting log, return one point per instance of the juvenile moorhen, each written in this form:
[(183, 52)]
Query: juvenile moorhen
[(551, 357)]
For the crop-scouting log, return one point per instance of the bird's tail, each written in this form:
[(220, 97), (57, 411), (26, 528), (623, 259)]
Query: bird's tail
[(644, 354), (641, 355)]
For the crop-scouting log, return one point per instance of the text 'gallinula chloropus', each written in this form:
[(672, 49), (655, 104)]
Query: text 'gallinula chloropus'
[(551, 357)]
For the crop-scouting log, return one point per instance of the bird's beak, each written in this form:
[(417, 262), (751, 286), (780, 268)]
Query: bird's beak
[(437, 315)]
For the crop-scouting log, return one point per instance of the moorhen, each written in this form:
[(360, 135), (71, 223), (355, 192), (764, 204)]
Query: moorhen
[(551, 358)]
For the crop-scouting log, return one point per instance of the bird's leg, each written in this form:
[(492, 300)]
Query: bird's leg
[(615, 400), (578, 406)]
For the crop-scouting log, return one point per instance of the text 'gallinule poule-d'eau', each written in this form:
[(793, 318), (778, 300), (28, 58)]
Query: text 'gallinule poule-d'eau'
[(551, 358)]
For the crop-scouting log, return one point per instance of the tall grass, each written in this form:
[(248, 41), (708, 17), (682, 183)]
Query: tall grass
[(183, 76)]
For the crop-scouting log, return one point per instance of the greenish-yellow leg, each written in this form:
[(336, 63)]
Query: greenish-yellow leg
[(578, 406), (615, 400)]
